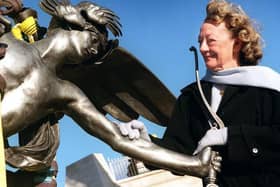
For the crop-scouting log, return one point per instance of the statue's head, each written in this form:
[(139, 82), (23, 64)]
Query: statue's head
[(88, 24), (88, 44)]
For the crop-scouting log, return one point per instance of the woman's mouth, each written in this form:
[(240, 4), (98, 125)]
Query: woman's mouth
[(210, 55)]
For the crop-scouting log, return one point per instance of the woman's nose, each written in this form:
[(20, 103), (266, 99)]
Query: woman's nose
[(203, 46)]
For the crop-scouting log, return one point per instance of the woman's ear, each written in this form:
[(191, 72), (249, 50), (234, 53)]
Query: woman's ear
[(237, 46)]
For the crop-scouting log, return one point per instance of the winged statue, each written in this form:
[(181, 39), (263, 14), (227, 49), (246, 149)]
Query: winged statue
[(76, 70)]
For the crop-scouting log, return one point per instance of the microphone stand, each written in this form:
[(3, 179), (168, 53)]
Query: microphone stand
[(215, 122)]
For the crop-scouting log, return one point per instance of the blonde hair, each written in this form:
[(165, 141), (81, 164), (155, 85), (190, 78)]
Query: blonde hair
[(241, 27)]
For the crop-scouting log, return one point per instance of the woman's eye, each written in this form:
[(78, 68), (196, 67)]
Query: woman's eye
[(211, 40)]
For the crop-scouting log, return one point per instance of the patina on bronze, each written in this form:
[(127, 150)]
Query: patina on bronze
[(77, 71)]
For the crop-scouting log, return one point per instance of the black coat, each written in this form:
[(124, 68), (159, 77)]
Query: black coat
[(251, 156)]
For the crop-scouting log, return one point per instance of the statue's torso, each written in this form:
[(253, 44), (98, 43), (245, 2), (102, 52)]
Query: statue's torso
[(28, 87)]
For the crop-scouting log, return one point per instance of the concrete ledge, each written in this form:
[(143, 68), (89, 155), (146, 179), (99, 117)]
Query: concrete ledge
[(160, 178)]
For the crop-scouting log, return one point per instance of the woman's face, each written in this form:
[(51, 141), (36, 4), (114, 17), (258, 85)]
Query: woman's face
[(217, 46)]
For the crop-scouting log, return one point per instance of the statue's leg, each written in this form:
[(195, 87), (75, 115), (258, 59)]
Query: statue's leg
[(78, 106)]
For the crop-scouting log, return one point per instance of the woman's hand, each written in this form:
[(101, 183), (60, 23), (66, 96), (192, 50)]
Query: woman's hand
[(212, 137), (134, 130)]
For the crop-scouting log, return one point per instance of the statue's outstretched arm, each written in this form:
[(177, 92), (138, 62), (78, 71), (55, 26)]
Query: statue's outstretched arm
[(92, 121)]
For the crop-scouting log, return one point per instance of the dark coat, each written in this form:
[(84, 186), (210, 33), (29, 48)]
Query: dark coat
[(251, 156)]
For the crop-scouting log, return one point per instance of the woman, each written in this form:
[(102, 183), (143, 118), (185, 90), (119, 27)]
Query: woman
[(245, 96)]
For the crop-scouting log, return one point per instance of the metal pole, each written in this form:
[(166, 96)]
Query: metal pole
[(216, 121)]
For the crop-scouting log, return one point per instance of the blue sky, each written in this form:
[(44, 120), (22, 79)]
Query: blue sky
[(159, 33)]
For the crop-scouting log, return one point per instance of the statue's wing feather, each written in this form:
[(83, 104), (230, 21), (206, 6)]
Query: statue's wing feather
[(123, 87)]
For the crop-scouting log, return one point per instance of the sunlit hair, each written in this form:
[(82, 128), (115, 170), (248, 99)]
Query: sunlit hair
[(240, 25)]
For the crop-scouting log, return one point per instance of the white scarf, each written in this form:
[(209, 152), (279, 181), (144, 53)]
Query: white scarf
[(257, 76)]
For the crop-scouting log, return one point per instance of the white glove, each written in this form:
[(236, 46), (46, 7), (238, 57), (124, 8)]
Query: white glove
[(212, 137), (134, 130)]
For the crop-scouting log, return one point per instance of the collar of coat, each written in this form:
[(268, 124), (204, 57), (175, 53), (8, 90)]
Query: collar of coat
[(256, 76)]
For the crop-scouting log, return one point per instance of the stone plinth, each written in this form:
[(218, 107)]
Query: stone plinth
[(160, 178), (91, 171)]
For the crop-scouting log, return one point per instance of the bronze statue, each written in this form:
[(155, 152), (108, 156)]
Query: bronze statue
[(76, 70)]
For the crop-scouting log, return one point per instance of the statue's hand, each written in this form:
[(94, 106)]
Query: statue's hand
[(101, 15), (210, 162), (71, 15), (134, 130), (82, 13), (10, 7), (216, 162), (63, 11), (215, 167)]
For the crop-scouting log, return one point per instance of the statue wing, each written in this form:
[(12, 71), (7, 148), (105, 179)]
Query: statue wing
[(123, 87)]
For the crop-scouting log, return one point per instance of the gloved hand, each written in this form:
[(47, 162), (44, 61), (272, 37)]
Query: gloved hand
[(212, 137), (134, 130)]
